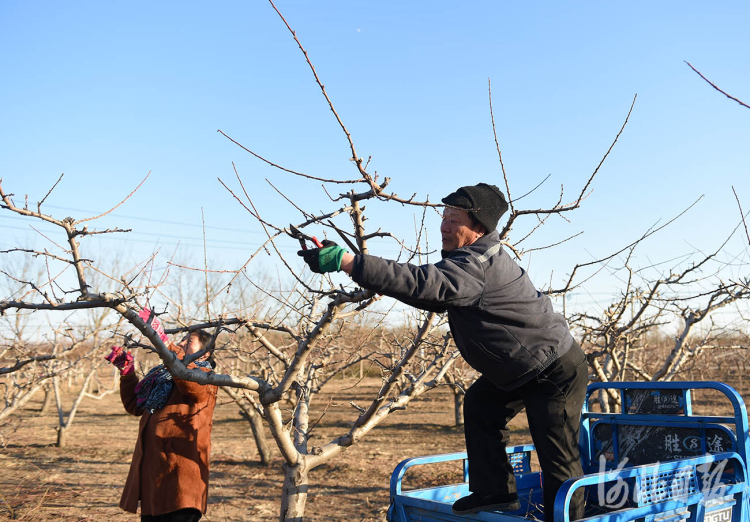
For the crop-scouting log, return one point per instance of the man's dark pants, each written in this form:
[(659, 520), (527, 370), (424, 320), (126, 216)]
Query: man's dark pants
[(553, 401)]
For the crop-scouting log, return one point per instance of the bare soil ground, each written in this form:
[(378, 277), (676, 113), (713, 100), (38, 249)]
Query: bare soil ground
[(84, 480)]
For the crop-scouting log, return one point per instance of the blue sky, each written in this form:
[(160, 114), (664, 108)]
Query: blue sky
[(108, 91)]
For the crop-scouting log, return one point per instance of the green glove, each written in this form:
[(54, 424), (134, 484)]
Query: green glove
[(325, 259)]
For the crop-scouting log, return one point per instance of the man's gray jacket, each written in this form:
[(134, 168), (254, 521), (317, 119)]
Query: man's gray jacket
[(503, 326)]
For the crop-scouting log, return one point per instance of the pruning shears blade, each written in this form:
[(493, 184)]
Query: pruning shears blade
[(296, 234)]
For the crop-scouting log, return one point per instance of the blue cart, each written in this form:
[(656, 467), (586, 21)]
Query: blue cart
[(655, 461)]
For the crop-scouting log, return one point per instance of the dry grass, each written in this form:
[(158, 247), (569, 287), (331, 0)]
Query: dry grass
[(84, 480), (39, 482)]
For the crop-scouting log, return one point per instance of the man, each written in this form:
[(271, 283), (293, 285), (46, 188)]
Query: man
[(169, 470), (506, 330)]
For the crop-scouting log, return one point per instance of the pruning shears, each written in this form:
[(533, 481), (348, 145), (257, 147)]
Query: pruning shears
[(299, 236)]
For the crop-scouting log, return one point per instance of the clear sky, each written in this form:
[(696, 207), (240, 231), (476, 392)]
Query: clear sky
[(108, 91)]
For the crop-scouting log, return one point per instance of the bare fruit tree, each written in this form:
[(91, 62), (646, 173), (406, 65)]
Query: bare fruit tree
[(322, 307), (277, 346), (303, 336), (622, 341), (712, 84), (31, 362), (308, 322)]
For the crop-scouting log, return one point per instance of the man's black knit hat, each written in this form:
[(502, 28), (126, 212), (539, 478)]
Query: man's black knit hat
[(483, 201)]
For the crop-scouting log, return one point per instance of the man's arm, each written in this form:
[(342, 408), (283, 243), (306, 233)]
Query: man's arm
[(458, 281), (347, 263), (455, 281)]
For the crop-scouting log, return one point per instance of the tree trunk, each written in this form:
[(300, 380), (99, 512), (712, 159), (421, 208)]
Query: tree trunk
[(64, 424), (256, 425), (61, 436), (458, 406), (247, 411), (294, 493), (48, 396)]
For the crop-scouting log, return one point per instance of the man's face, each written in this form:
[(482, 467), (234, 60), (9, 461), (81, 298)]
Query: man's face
[(457, 229), (191, 344)]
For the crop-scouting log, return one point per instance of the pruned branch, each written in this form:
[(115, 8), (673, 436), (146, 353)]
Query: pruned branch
[(716, 87), (742, 215), (559, 208), (116, 206)]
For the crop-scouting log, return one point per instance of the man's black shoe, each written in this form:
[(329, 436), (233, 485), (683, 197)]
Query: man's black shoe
[(476, 502)]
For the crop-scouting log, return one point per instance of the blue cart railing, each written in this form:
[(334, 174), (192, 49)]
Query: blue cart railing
[(654, 461)]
